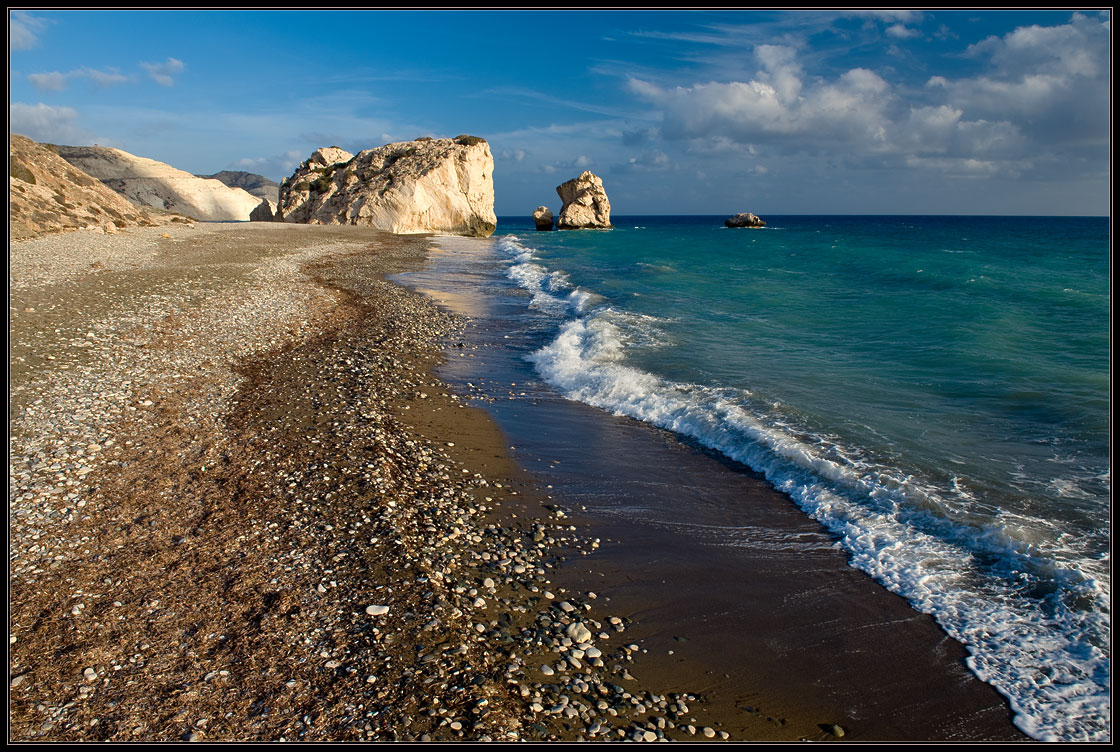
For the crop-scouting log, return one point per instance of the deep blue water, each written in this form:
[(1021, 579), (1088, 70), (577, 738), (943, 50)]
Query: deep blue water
[(934, 390)]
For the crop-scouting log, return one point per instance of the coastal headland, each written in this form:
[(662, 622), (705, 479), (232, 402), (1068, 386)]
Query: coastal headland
[(242, 507)]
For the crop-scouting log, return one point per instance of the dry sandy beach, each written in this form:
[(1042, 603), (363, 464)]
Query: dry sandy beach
[(242, 507)]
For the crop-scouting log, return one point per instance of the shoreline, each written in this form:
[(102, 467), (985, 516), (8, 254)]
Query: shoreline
[(733, 587), (276, 458)]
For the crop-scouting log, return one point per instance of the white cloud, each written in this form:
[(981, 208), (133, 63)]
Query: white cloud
[(48, 124), (56, 81), (776, 106), (24, 29), (162, 73), (1044, 92), (108, 77), (899, 31), (1054, 82), (901, 16), (48, 81)]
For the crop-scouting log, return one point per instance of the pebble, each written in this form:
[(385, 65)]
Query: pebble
[(377, 610), (578, 632)]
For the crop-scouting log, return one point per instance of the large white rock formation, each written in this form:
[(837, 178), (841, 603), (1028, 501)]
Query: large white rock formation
[(585, 203), (146, 182), (429, 185)]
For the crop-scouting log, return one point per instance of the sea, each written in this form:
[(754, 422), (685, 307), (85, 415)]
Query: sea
[(934, 390)]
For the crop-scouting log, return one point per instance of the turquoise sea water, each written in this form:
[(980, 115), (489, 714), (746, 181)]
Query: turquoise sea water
[(934, 390)]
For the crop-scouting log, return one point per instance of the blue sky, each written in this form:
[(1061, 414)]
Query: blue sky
[(690, 112)]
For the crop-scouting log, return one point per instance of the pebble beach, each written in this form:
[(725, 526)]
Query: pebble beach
[(241, 508), (247, 504)]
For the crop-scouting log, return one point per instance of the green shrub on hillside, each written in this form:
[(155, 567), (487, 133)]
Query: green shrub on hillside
[(18, 170), (464, 140)]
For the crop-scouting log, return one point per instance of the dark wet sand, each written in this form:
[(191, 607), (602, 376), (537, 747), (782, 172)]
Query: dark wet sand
[(734, 591)]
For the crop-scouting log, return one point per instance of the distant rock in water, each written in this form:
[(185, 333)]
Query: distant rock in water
[(266, 212), (429, 185), (257, 185), (744, 219), (585, 204), (47, 194), (542, 217)]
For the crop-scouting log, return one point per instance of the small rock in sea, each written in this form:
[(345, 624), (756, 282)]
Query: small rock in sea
[(709, 732), (542, 218), (744, 219), (377, 610)]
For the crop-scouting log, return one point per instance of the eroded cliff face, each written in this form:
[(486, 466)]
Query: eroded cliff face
[(585, 204), (428, 185), (47, 194), (146, 182)]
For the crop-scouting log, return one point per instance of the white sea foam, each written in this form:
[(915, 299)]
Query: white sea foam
[(1047, 653)]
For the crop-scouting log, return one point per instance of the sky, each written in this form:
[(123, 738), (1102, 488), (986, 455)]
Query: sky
[(679, 112)]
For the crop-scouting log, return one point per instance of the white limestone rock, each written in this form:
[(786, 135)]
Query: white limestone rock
[(428, 185), (585, 203), (146, 182)]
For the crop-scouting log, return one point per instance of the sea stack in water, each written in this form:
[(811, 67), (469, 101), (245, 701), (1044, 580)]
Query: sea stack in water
[(429, 185), (585, 204), (542, 217), (744, 219)]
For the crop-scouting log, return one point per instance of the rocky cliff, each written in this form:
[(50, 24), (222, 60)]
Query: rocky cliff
[(47, 194), (146, 182), (428, 185), (585, 204)]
